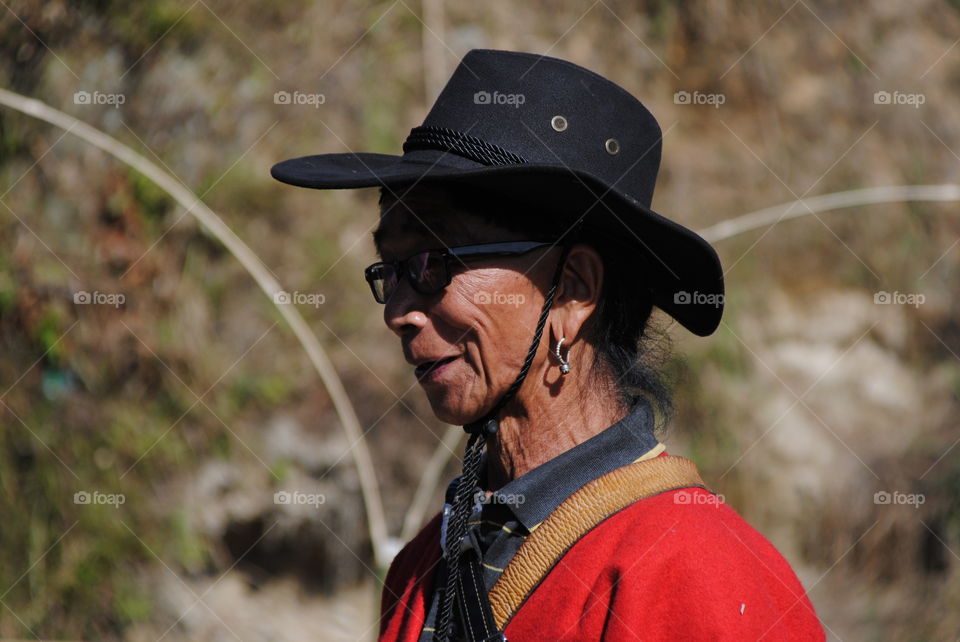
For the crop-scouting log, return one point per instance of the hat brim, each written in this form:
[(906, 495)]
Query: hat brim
[(681, 268)]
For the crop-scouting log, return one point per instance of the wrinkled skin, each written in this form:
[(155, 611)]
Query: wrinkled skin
[(486, 319)]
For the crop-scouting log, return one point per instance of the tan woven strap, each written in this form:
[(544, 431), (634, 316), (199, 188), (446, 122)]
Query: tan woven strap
[(575, 517)]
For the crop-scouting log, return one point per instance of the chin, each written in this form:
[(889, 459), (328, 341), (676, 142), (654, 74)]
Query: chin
[(451, 407), (454, 416)]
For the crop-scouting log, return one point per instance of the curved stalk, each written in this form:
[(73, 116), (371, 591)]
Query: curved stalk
[(255, 267), (826, 202), (430, 481)]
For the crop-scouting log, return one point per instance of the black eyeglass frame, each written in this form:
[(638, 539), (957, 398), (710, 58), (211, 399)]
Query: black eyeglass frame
[(403, 266)]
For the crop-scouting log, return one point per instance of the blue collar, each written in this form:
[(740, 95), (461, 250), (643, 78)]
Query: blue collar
[(533, 496)]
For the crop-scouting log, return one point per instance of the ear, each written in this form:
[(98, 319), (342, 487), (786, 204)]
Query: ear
[(579, 292)]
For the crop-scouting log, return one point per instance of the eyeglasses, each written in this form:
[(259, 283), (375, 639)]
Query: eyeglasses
[(431, 271)]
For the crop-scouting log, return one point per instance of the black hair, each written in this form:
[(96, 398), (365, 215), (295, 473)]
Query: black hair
[(631, 350)]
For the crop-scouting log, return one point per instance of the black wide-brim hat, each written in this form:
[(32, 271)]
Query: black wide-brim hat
[(551, 133)]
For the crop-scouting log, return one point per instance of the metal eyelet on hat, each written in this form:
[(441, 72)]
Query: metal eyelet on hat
[(612, 146), (559, 123)]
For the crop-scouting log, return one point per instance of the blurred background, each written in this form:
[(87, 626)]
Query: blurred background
[(172, 464)]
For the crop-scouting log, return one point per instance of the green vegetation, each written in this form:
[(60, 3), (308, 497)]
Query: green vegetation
[(195, 369)]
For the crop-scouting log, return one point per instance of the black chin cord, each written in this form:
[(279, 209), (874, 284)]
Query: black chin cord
[(479, 431)]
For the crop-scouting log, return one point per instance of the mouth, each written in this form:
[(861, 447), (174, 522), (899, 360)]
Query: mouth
[(430, 370)]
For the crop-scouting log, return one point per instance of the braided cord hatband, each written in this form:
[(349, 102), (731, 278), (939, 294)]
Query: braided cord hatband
[(454, 142)]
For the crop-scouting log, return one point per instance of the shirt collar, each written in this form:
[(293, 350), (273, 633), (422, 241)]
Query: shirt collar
[(533, 496)]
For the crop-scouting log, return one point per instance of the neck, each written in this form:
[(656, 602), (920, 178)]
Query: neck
[(536, 428)]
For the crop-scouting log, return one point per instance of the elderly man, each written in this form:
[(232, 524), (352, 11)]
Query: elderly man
[(520, 263)]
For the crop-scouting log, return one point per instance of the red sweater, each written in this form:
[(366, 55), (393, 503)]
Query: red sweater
[(657, 570)]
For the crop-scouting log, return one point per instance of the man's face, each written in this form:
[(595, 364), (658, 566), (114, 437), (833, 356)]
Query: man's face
[(468, 341)]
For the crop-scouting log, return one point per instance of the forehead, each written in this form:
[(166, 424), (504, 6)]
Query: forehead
[(404, 224), (400, 220), (429, 217)]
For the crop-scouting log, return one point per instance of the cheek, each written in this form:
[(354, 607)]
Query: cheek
[(476, 289), (461, 316), (498, 309), (490, 316)]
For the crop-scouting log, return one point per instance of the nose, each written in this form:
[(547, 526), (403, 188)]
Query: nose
[(404, 310)]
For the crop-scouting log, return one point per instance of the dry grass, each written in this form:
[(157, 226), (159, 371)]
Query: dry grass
[(115, 389)]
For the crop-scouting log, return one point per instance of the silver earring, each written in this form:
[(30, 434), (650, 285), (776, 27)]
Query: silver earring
[(564, 364)]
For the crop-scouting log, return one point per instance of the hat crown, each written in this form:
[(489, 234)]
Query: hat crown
[(552, 112)]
